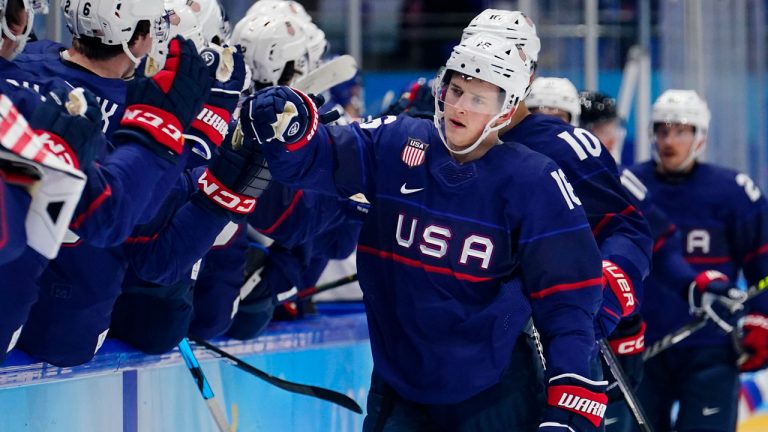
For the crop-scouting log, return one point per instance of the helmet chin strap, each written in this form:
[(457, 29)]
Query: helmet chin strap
[(130, 55), (439, 121)]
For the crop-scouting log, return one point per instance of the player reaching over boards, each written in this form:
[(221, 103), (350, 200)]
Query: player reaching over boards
[(462, 246)]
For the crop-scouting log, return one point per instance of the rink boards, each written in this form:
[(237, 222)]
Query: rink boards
[(123, 390)]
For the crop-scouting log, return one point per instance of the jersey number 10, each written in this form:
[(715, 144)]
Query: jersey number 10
[(586, 143)]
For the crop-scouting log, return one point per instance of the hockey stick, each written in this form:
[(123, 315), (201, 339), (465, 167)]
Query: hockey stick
[(309, 390), (202, 384), (340, 69), (697, 324), (306, 293), (626, 390)]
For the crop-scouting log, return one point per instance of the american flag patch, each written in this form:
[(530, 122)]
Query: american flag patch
[(414, 153)]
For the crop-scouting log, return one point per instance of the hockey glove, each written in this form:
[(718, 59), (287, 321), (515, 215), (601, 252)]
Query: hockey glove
[(234, 180), (68, 125), (230, 75), (628, 342), (281, 113), (711, 294), (574, 403), (618, 299), (755, 342), (159, 109)]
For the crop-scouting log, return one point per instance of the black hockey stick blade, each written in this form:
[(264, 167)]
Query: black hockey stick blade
[(308, 390), (629, 395), (695, 325)]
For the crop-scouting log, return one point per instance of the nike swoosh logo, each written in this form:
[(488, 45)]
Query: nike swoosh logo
[(405, 191), (709, 411)]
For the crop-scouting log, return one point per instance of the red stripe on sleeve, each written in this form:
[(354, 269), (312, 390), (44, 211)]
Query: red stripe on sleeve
[(567, 287), (603, 222), (91, 208), (286, 213)]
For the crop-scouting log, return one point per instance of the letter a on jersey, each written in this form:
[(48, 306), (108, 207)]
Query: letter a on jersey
[(414, 152)]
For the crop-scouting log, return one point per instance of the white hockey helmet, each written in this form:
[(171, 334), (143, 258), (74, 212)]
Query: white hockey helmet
[(269, 44), (114, 22), (183, 22), (317, 45), (57, 190), (279, 7), (512, 25), (215, 21), (684, 107), (559, 93), (494, 60), (20, 39)]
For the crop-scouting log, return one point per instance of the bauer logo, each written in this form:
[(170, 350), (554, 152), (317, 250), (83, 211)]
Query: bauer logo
[(414, 153)]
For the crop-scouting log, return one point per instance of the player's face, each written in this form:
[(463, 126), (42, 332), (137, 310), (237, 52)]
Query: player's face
[(470, 103), (17, 29), (673, 142)]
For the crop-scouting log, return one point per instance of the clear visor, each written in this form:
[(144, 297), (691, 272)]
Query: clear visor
[(458, 93), (161, 37)]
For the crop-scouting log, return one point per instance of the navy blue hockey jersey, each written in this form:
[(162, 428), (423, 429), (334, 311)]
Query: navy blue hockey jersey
[(621, 231), (454, 258), (14, 203), (723, 221)]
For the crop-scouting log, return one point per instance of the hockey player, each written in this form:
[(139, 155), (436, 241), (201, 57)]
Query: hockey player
[(438, 270), (722, 217), (129, 183), (42, 188)]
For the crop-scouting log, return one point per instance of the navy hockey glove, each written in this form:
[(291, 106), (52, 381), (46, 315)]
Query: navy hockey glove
[(234, 180), (618, 299), (230, 75), (755, 342), (574, 403), (281, 113), (68, 124), (712, 294), (159, 109)]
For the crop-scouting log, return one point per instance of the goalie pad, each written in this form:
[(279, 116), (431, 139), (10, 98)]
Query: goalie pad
[(55, 188)]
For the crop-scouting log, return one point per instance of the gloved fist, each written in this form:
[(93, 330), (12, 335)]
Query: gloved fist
[(281, 113), (574, 403), (755, 342), (628, 343), (712, 294), (230, 76), (618, 299), (159, 109), (234, 180), (68, 124)]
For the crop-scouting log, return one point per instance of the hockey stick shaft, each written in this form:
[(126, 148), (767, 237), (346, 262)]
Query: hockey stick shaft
[(312, 291), (629, 395), (202, 384), (697, 324), (308, 390)]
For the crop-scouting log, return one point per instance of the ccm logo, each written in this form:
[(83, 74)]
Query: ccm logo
[(142, 116), (224, 197)]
